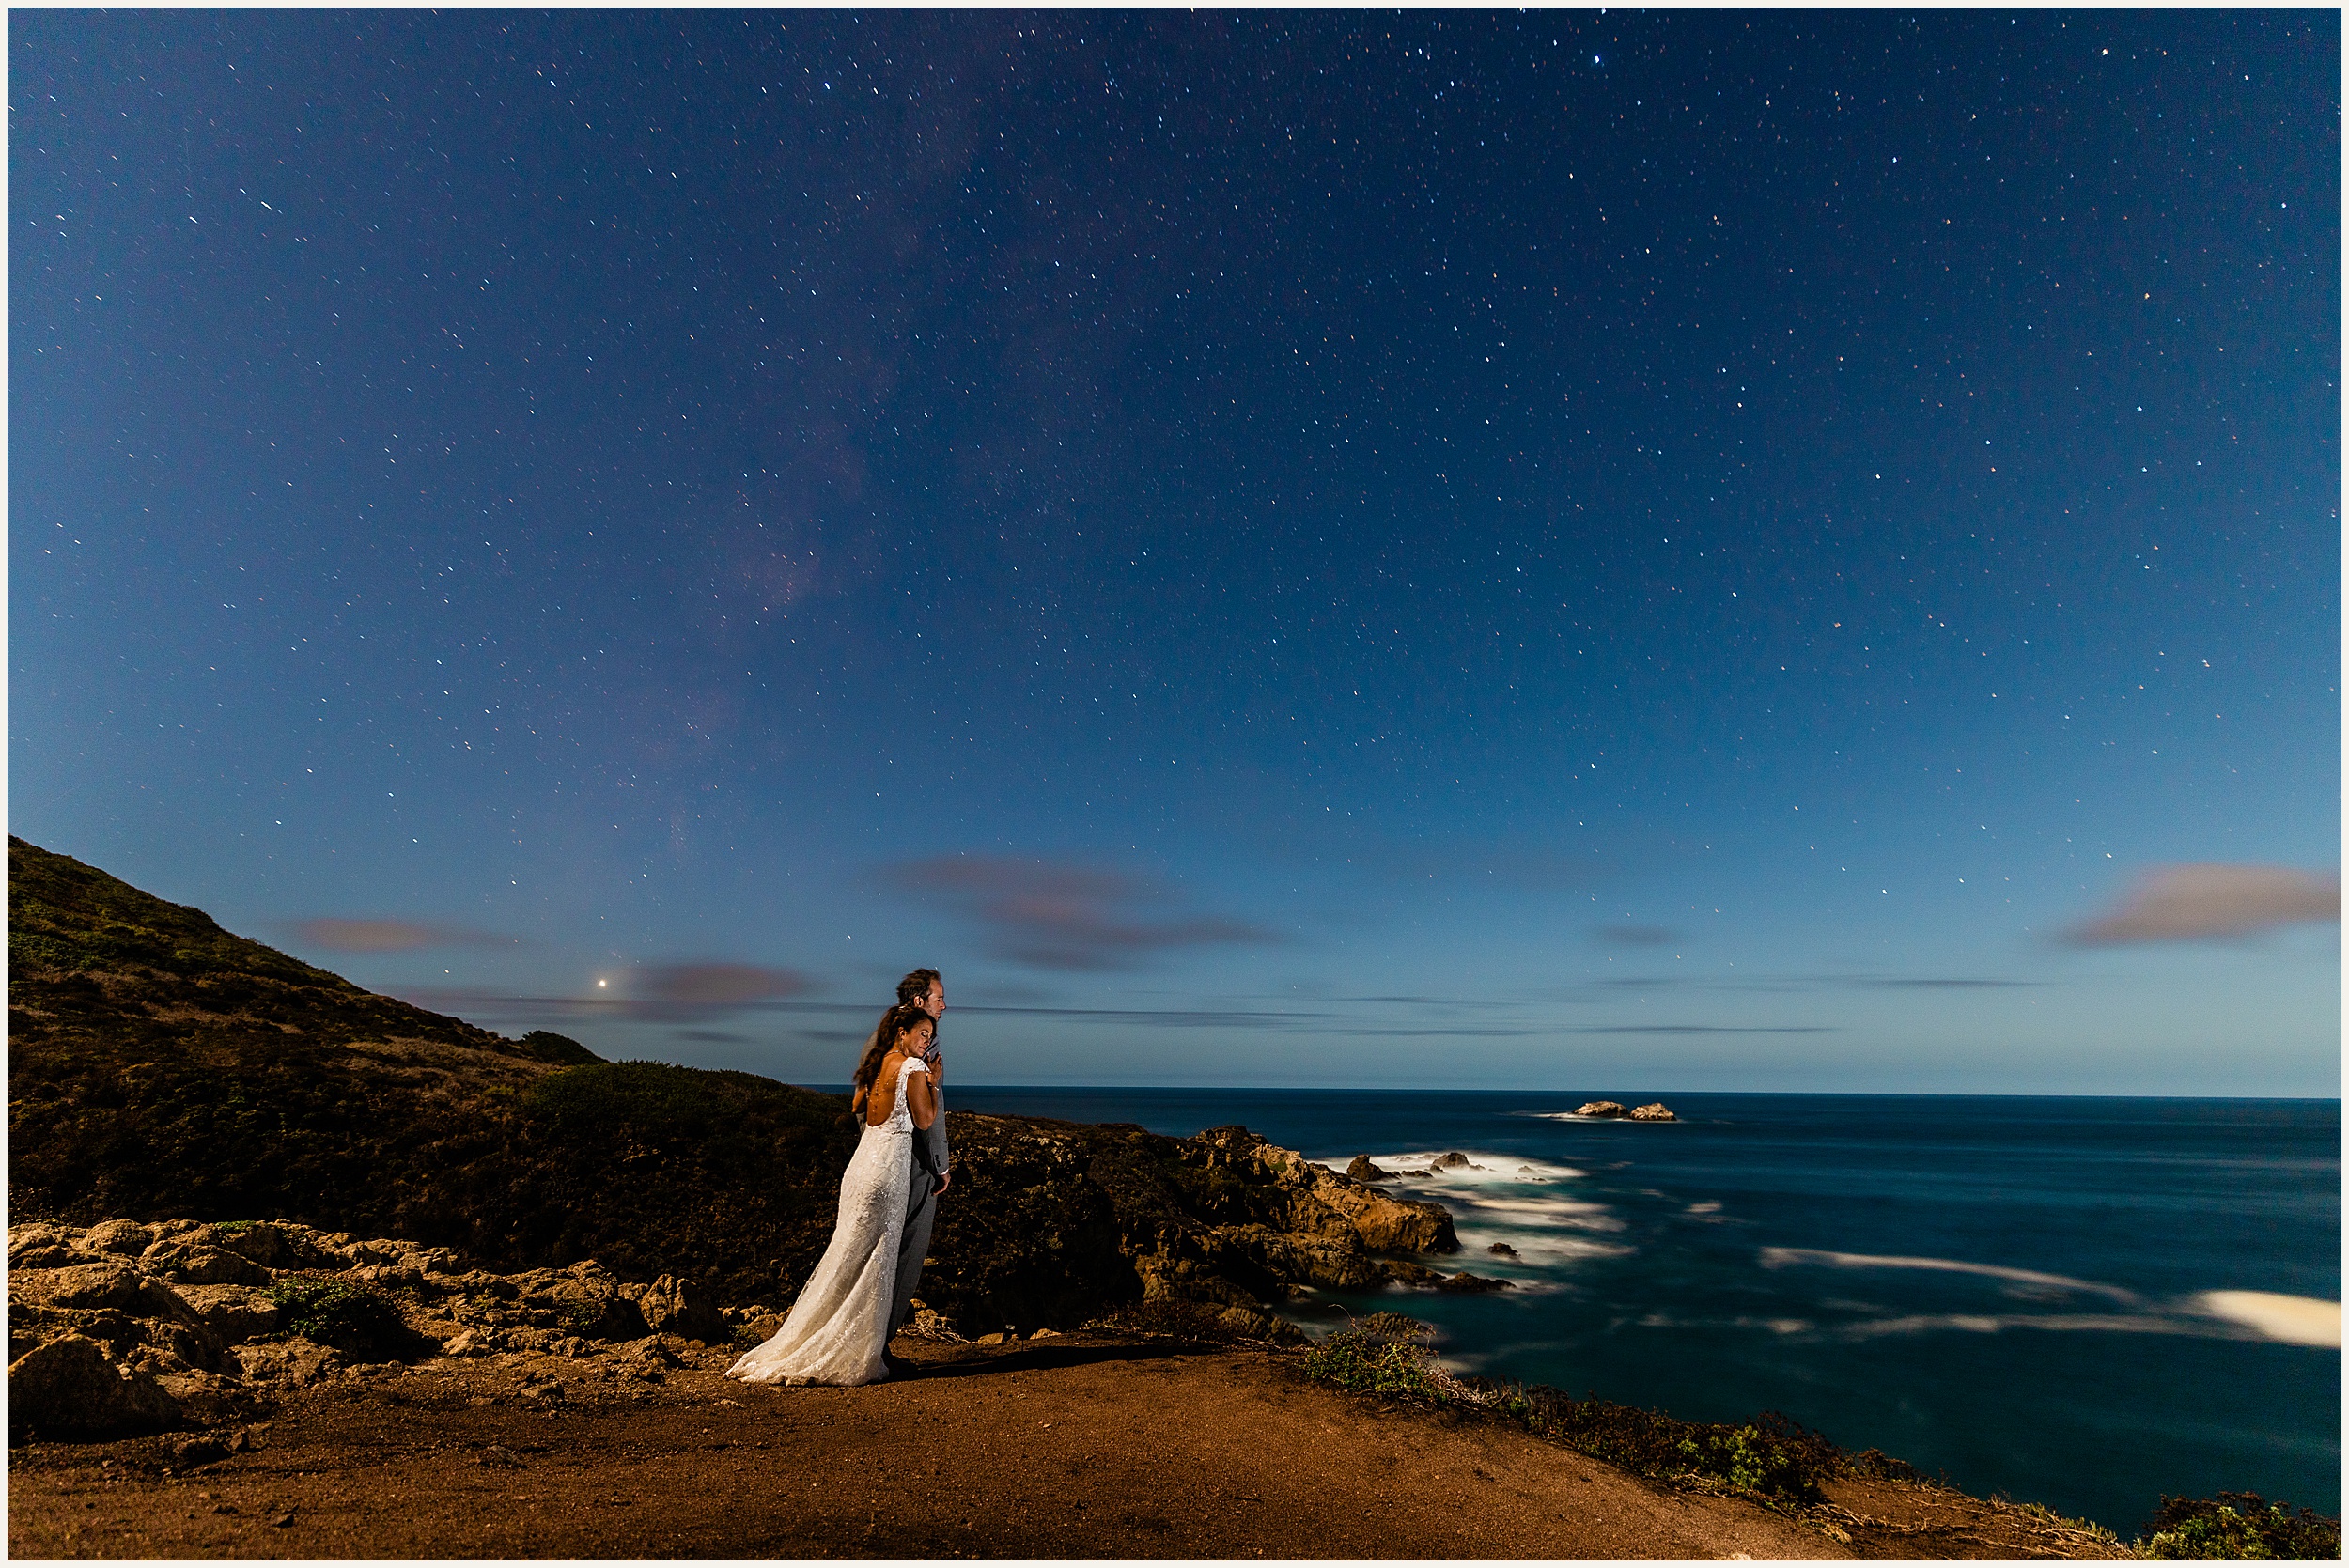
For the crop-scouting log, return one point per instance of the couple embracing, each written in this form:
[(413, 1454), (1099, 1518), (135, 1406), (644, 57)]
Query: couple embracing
[(838, 1330)]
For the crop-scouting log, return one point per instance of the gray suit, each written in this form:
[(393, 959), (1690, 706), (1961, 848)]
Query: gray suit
[(930, 1164)]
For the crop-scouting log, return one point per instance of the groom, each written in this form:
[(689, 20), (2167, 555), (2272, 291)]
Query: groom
[(923, 990)]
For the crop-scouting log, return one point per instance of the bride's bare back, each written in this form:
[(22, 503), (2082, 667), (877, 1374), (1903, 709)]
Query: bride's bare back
[(881, 1102)]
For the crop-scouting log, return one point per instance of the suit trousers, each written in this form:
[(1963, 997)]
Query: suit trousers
[(921, 1214)]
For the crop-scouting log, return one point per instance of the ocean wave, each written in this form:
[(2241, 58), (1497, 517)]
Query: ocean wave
[(1548, 1211), (1785, 1326), (1785, 1257), (2186, 1323), (1994, 1323), (2285, 1319), (1484, 1167), (1533, 1252)]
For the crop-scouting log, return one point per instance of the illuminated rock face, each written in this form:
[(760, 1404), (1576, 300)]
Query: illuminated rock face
[(1613, 1110)]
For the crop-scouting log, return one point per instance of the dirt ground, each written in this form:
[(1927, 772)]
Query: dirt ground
[(1083, 1446)]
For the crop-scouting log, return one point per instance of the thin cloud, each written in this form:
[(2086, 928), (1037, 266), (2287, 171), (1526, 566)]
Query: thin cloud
[(1701, 1029), (391, 936), (1634, 936), (2211, 902), (673, 993), (715, 984), (1058, 915)]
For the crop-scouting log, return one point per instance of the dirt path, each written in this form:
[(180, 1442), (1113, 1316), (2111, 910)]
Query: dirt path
[(1085, 1446)]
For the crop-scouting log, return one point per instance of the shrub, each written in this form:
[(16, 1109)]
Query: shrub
[(1771, 1458), (2238, 1526), (1365, 1361), (355, 1318)]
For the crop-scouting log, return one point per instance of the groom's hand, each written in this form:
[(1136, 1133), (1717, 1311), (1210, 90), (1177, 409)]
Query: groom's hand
[(945, 1179)]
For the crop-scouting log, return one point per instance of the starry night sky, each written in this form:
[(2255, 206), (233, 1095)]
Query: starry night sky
[(1598, 553)]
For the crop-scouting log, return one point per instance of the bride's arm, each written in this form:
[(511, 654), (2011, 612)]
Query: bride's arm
[(921, 1099)]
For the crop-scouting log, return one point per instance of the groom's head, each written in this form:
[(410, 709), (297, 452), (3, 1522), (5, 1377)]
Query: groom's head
[(923, 989)]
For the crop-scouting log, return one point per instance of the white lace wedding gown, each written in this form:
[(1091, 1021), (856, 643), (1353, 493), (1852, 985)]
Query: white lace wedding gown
[(840, 1324)]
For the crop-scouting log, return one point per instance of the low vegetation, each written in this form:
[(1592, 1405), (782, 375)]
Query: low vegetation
[(353, 1318), (1772, 1459), (2239, 1527)]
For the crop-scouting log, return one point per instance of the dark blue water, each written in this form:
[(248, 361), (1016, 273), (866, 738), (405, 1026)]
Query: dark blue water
[(2012, 1291)]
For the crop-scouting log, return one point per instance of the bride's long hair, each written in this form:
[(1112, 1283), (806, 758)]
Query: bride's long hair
[(886, 1034)]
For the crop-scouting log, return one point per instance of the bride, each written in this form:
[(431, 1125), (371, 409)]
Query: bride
[(839, 1325)]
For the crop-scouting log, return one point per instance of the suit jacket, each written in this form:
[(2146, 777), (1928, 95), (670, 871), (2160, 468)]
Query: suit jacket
[(930, 1144)]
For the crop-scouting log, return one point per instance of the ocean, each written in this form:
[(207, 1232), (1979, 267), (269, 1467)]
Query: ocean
[(2080, 1302)]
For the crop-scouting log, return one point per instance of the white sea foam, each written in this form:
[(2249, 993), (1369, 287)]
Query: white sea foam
[(2287, 1319), (1780, 1325), (1784, 1257), (1484, 1168), (2201, 1326)]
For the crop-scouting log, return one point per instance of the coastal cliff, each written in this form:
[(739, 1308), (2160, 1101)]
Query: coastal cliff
[(163, 1069)]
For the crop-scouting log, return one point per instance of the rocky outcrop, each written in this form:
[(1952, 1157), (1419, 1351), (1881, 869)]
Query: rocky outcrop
[(1055, 1223), (1361, 1169), (69, 1387), (103, 1344), (1615, 1110)]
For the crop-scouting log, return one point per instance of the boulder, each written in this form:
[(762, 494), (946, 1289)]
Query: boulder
[(1655, 1111), (123, 1237), (204, 1265), (669, 1306), (1455, 1160), (1602, 1108), (85, 1288), (47, 1257), (236, 1312), (44, 1246), (1361, 1169), (1501, 1249), (210, 1399), (271, 1245), (68, 1387), (293, 1363), (1474, 1285)]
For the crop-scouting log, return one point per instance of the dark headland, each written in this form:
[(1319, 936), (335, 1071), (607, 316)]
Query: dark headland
[(300, 1270)]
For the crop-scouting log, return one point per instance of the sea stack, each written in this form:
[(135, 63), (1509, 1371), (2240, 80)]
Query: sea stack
[(1363, 1170), (1655, 1111), (1602, 1108)]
